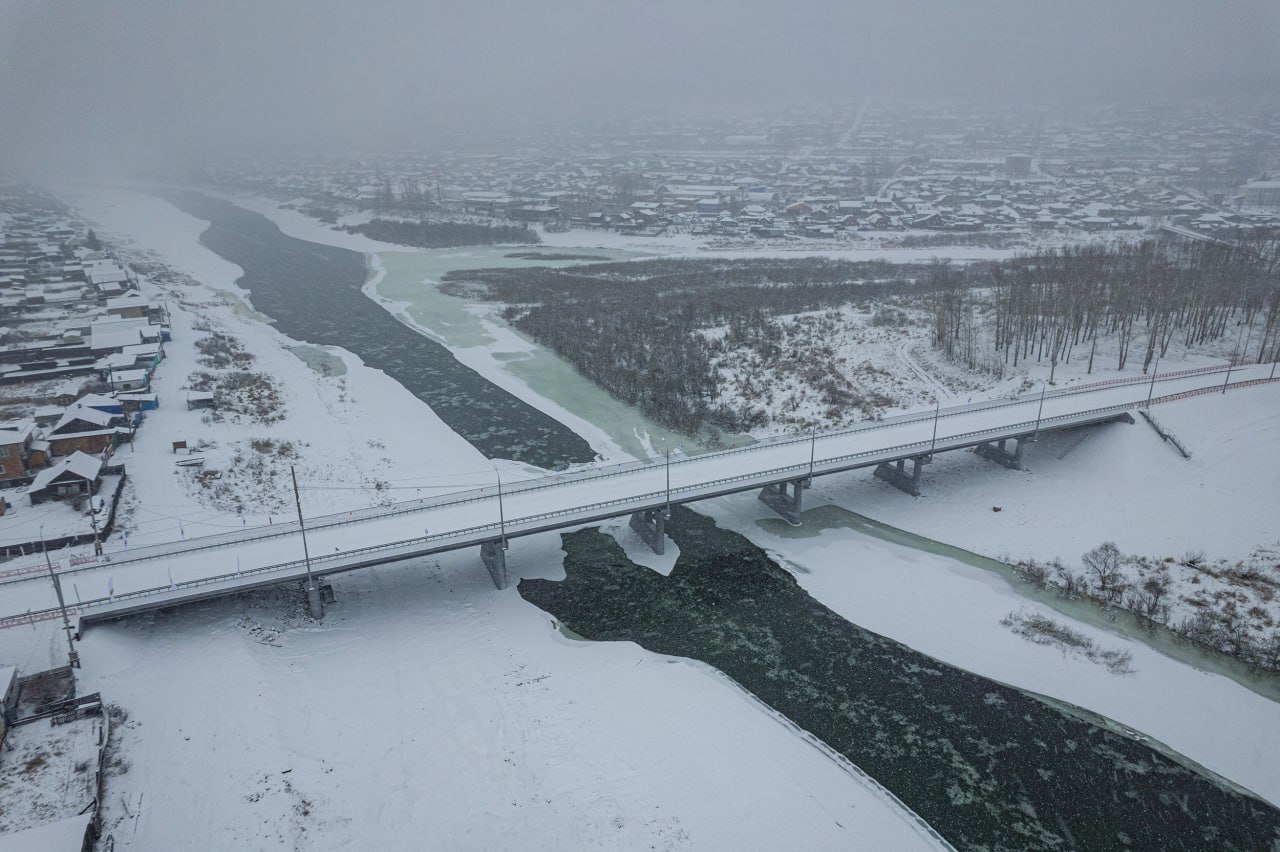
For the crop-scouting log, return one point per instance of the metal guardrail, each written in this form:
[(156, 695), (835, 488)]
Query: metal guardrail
[(594, 473), (455, 539)]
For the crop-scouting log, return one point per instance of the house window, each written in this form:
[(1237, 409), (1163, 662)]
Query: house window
[(4, 452)]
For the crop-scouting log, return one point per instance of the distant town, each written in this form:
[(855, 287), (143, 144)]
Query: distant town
[(906, 175)]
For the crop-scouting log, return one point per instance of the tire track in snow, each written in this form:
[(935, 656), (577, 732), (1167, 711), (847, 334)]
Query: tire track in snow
[(941, 391)]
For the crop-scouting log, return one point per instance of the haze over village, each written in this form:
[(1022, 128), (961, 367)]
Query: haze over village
[(738, 426)]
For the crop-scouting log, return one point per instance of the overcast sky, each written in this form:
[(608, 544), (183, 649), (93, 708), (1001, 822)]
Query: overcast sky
[(120, 82)]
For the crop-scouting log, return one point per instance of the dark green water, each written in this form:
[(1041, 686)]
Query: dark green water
[(986, 765), (313, 292)]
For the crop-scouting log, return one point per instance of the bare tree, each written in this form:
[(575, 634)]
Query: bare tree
[(1102, 565)]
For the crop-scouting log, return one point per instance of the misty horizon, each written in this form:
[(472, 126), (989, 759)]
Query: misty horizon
[(95, 88)]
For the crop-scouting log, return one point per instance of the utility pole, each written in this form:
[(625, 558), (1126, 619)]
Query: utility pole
[(73, 658), (313, 591), (937, 410), (1152, 388), (1040, 411), (93, 519), (667, 449), (502, 518), (813, 448)]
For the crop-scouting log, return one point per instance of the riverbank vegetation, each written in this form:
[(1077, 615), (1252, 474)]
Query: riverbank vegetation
[(1229, 607), (704, 345), (443, 234), (1139, 298)]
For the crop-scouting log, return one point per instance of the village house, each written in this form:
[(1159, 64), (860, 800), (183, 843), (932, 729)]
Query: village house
[(15, 449), (87, 430), (77, 475)]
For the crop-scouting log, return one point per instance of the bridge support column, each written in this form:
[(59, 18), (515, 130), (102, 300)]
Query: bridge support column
[(494, 556), (314, 602), (650, 525), (777, 498), (998, 453), (895, 473)]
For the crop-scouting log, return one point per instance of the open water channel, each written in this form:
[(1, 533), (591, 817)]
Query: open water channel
[(988, 766)]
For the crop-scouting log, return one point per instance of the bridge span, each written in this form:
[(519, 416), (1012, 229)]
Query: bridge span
[(779, 468)]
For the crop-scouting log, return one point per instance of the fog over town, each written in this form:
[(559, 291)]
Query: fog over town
[(678, 425), (122, 84)]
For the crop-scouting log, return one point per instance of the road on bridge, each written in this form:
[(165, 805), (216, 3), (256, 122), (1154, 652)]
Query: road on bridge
[(343, 542)]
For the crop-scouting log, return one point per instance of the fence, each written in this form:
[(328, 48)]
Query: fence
[(28, 547)]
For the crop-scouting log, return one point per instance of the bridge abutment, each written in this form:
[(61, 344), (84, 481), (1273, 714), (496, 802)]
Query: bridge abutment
[(650, 525), (895, 473), (787, 504), (494, 556), (997, 452)]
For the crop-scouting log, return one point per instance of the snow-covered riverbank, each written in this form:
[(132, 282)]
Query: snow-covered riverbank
[(429, 709)]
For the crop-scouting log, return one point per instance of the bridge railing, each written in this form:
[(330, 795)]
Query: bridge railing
[(590, 474), (424, 545)]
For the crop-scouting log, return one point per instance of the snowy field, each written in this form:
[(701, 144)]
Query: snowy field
[(429, 710)]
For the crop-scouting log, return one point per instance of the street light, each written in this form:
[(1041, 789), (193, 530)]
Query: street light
[(937, 410), (73, 658), (306, 554), (813, 448), (1043, 388), (666, 448), (502, 518), (315, 603), (1152, 388)]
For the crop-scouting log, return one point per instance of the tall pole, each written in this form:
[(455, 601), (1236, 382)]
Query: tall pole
[(502, 518), (93, 519), (1152, 388), (306, 554), (813, 448), (937, 410), (73, 658), (667, 449), (1040, 411), (1235, 354)]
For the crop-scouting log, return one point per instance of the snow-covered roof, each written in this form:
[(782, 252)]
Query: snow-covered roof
[(115, 338), (64, 834), (80, 464), (88, 415), (15, 432)]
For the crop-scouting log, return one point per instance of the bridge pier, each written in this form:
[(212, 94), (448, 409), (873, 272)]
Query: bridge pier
[(895, 473), (786, 505), (650, 525), (315, 603), (996, 452), (494, 556)]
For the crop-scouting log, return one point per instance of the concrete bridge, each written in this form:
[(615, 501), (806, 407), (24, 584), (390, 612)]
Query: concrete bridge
[(780, 469)]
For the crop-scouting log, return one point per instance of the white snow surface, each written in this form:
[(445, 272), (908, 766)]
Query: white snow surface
[(428, 710)]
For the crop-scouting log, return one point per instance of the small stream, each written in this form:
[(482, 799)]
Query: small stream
[(988, 766), (313, 293)]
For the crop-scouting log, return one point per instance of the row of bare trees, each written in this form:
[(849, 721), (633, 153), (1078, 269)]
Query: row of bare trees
[(1056, 305)]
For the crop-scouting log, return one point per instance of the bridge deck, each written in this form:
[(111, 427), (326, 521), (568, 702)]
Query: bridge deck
[(151, 578)]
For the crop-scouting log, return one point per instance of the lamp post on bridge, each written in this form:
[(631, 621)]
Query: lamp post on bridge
[(73, 657), (502, 518), (937, 410), (1040, 411), (1152, 388), (666, 448), (1236, 354), (813, 448), (313, 591)]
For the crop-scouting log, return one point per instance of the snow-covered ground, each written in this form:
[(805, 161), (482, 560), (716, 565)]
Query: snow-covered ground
[(430, 710)]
